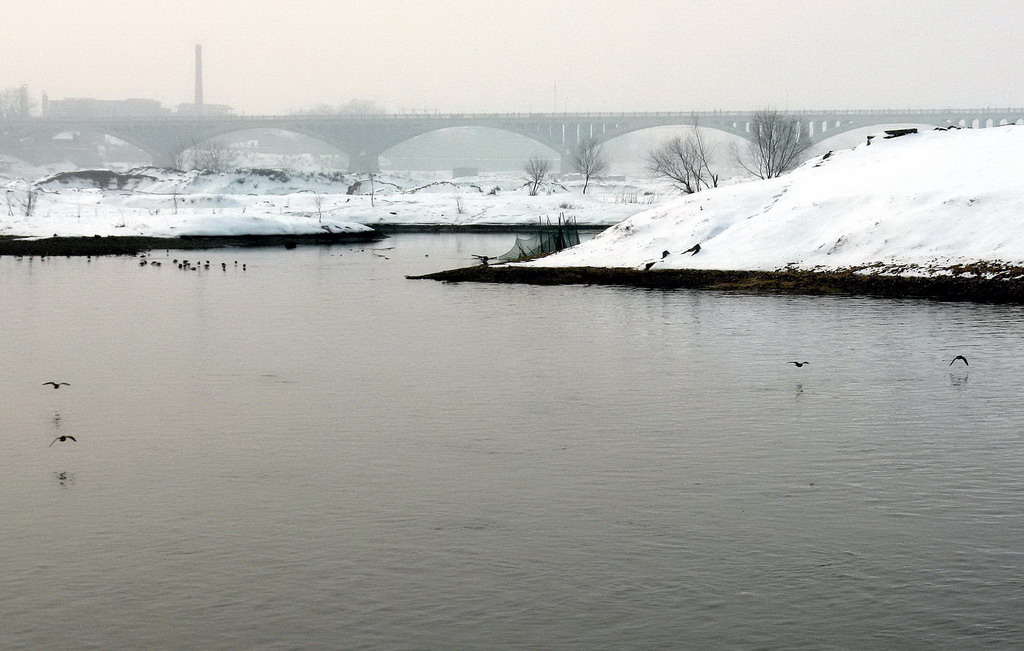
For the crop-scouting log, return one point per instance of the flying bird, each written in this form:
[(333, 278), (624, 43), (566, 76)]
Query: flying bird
[(798, 364), (57, 385), (65, 437), (966, 363)]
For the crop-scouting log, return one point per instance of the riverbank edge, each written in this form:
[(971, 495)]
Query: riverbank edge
[(133, 245), (949, 288), (531, 228)]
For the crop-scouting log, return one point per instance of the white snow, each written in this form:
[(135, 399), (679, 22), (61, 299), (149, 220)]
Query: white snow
[(932, 199), (163, 203)]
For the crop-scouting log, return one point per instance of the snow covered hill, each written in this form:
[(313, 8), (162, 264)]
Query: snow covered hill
[(912, 204)]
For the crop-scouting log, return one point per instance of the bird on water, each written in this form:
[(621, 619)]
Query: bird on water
[(57, 385), (966, 363), (65, 437), (798, 364)]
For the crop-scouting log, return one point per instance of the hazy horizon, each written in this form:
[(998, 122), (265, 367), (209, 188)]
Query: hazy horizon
[(523, 56)]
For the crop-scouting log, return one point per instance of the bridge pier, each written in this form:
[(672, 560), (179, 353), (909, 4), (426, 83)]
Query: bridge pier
[(364, 162), (567, 164), (166, 160)]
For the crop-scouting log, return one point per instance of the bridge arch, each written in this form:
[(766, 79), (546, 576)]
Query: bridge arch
[(254, 140), (42, 134), (380, 138), (628, 152), (822, 136), (476, 146), (738, 128), (851, 136)]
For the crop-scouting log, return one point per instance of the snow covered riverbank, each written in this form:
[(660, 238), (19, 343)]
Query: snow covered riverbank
[(152, 202), (912, 205)]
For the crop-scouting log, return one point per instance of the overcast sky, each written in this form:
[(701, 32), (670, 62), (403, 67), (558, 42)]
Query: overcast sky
[(275, 56)]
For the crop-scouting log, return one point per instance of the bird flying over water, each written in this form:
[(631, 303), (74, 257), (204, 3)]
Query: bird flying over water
[(960, 357), (57, 385), (65, 437), (798, 364)]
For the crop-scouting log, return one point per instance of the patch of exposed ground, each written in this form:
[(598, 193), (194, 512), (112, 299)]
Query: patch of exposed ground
[(79, 246), (977, 284)]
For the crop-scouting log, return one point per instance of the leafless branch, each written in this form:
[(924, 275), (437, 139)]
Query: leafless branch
[(213, 155), (777, 145), (537, 169), (590, 160), (685, 161)]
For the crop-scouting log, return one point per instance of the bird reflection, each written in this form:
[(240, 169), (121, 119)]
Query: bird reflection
[(958, 381), (65, 479), (799, 390)]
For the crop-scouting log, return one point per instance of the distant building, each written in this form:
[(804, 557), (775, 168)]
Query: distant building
[(204, 109), (87, 107)]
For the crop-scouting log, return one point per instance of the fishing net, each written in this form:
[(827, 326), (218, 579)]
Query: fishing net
[(549, 238)]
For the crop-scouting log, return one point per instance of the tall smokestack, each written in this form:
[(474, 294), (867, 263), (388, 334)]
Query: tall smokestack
[(199, 76)]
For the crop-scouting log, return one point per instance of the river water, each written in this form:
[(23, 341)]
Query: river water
[(316, 453)]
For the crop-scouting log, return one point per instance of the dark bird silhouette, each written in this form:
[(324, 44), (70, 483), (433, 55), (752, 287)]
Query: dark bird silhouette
[(57, 385), (799, 364), (694, 250), (966, 363), (65, 437)]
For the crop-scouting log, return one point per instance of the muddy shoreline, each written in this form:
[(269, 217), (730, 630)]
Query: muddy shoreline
[(962, 287), (132, 245)]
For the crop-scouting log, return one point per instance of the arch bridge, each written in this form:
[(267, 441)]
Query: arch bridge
[(365, 137)]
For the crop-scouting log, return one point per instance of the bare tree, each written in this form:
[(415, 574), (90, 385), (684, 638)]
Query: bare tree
[(686, 161), (590, 160), (30, 200), (318, 203), (182, 160), (15, 103), (213, 155), (25, 197), (776, 147), (537, 169), (372, 188)]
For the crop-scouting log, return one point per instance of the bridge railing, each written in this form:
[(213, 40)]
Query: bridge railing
[(589, 115)]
